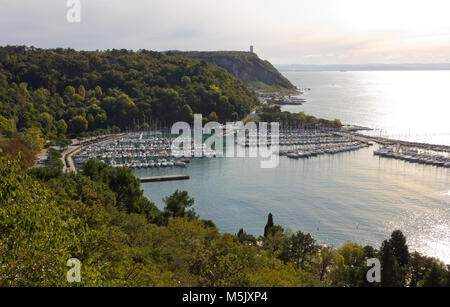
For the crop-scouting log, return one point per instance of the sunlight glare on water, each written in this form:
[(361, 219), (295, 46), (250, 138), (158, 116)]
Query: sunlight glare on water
[(353, 197), (410, 105)]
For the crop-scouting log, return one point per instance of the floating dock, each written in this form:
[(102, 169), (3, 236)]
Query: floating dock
[(164, 178)]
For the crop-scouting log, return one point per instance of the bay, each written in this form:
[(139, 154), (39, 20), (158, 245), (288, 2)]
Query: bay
[(354, 196)]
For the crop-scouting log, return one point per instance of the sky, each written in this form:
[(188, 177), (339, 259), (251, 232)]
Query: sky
[(282, 31)]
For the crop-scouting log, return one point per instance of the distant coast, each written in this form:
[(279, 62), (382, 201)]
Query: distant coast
[(362, 67)]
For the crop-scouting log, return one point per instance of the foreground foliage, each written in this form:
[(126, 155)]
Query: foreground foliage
[(101, 217)]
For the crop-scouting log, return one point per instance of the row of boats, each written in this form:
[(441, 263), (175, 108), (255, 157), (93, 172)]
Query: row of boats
[(163, 163), (313, 151), (300, 137), (311, 143), (134, 152), (413, 155)]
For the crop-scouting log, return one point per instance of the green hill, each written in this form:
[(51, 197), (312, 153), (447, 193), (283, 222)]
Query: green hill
[(63, 90)]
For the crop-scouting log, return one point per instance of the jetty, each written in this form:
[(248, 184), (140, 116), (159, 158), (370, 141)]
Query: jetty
[(164, 178), (424, 146)]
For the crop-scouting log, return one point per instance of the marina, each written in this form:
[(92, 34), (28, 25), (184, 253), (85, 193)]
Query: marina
[(137, 150), (154, 150), (312, 143), (413, 155)]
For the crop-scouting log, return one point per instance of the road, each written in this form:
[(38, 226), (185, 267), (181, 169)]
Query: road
[(74, 149)]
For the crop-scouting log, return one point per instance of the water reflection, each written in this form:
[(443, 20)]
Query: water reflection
[(410, 105)]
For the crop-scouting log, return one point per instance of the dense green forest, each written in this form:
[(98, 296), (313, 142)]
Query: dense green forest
[(67, 91), (101, 217)]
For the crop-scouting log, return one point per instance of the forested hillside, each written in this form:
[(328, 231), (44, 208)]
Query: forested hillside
[(102, 218), (66, 91)]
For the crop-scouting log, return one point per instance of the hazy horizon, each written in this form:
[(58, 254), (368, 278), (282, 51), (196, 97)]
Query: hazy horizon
[(365, 67), (220, 50), (283, 32)]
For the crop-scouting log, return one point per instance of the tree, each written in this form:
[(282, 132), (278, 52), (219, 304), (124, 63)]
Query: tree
[(399, 247), (300, 249), (61, 126), (81, 91), (212, 117), (115, 129), (7, 127), (41, 95), (269, 225), (352, 270), (185, 80), (100, 120), (37, 236), (33, 138), (69, 91), (186, 114), (63, 143), (14, 147), (90, 119), (245, 237), (47, 122), (176, 205), (418, 267), (98, 92), (433, 278), (324, 260), (391, 275), (78, 124), (127, 188)]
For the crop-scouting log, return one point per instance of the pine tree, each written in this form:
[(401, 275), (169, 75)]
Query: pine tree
[(399, 247)]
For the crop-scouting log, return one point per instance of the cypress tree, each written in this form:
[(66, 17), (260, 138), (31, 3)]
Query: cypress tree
[(268, 225), (390, 273)]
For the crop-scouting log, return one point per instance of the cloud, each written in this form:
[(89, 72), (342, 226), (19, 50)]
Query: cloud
[(283, 31)]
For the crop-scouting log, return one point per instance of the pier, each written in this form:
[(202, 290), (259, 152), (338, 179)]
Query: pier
[(164, 178)]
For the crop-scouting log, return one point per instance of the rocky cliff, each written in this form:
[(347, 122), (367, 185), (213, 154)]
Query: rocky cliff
[(245, 66)]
